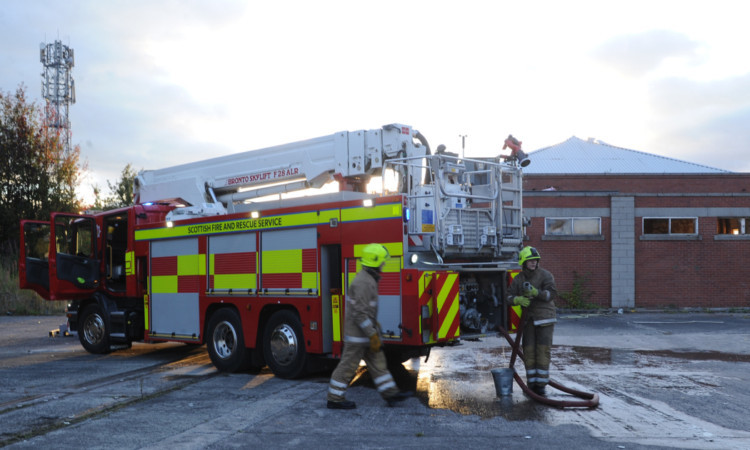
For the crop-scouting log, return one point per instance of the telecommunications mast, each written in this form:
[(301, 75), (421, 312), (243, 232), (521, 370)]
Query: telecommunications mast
[(58, 89)]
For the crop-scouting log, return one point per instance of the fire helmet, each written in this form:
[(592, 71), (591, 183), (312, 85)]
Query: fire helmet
[(526, 254), (373, 255)]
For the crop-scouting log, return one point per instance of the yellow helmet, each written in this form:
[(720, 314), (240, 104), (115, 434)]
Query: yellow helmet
[(526, 254), (373, 255)]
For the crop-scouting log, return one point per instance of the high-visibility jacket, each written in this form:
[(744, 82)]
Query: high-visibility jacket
[(360, 317)]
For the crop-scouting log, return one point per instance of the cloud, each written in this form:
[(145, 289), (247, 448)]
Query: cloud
[(706, 122), (671, 96), (638, 54), (716, 141), (160, 83)]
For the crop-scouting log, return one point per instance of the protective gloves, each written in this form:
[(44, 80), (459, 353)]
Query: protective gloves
[(522, 301), (532, 292), (375, 343)]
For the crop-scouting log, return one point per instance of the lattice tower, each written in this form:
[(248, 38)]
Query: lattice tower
[(58, 89)]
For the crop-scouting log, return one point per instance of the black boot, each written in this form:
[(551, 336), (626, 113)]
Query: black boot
[(344, 404), (398, 397), (540, 390)]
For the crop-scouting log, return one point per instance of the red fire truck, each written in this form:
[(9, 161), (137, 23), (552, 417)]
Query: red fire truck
[(215, 252)]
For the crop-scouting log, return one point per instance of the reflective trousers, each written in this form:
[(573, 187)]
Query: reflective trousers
[(347, 368), (537, 343)]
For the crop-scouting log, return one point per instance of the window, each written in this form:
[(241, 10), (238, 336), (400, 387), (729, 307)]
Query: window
[(572, 226), (36, 240), (670, 225), (74, 235), (733, 225)]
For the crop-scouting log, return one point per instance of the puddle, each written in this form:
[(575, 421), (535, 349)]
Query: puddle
[(639, 358), (646, 397), (697, 356), (461, 381), (475, 393)]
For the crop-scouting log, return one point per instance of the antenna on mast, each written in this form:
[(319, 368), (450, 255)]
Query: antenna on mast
[(58, 89)]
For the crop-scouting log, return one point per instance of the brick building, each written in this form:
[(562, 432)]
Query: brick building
[(628, 229)]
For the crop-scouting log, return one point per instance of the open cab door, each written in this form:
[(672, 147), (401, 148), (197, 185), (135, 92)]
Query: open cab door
[(58, 258), (33, 264), (74, 267)]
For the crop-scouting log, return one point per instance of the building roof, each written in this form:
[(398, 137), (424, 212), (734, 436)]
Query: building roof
[(576, 156)]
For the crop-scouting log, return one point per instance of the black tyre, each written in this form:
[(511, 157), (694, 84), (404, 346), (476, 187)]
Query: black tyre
[(93, 331), (395, 358), (395, 355), (225, 341), (284, 345)]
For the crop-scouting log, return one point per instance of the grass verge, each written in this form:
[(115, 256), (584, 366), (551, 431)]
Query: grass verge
[(22, 302)]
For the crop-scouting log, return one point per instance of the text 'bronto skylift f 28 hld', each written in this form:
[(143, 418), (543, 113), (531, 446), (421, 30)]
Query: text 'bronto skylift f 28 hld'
[(217, 252)]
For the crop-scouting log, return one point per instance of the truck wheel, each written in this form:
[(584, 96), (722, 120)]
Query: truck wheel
[(92, 330), (284, 345), (226, 344)]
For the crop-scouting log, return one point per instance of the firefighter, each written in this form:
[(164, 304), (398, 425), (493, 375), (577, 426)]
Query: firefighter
[(534, 289), (362, 335)]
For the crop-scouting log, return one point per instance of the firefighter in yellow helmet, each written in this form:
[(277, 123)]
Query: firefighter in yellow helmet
[(362, 335), (534, 289)]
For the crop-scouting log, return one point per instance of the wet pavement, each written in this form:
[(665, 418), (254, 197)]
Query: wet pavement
[(663, 379)]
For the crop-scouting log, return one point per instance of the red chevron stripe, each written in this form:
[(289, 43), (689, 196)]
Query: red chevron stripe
[(453, 330), (450, 299), (515, 319)]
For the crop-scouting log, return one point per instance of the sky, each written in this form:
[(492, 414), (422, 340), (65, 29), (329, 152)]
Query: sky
[(164, 82)]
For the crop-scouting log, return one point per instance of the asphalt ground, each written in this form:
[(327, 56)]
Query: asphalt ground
[(664, 381)]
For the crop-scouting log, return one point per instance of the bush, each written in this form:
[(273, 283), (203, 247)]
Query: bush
[(15, 301), (578, 297)]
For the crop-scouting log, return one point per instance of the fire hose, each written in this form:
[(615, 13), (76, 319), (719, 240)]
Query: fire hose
[(589, 400)]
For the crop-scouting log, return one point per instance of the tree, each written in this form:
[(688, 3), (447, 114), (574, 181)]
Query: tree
[(121, 192), (37, 175)]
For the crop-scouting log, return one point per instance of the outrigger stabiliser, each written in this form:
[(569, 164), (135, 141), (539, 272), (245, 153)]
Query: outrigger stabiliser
[(589, 400)]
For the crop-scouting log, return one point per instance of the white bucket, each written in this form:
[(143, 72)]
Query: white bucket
[(503, 381)]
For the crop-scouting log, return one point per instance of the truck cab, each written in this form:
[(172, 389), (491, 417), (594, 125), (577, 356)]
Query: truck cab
[(90, 261)]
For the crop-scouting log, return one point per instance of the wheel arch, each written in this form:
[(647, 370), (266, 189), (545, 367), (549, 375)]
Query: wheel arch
[(212, 309), (288, 370), (266, 312), (265, 315), (97, 298), (263, 318)]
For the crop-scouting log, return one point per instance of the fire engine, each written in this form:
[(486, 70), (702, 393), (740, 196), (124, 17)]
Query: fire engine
[(218, 252)]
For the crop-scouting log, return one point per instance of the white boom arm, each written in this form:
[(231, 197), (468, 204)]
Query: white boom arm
[(209, 186)]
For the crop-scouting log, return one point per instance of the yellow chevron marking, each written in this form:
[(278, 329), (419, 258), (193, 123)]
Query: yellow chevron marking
[(448, 302)]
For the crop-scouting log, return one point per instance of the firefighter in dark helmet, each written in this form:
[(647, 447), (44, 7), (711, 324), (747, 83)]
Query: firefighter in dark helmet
[(362, 335), (534, 289)]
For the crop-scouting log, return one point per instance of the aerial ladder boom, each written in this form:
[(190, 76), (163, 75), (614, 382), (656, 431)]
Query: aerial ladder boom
[(461, 207), (212, 186)]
